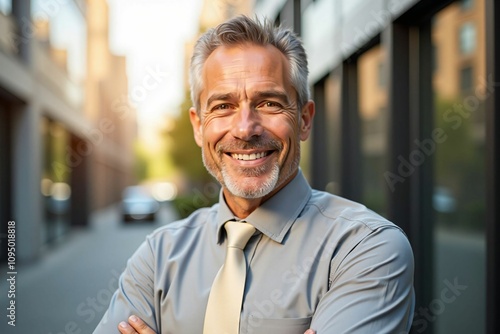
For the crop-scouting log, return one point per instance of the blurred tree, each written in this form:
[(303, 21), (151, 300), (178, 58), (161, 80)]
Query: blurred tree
[(151, 162), (184, 152), (186, 157), (141, 162)]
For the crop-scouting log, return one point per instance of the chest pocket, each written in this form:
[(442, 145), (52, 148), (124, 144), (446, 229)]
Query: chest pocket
[(278, 326)]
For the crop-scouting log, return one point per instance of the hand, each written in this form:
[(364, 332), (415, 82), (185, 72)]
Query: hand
[(135, 326)]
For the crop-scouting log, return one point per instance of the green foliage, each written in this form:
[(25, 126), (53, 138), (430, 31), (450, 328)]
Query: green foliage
[(140, 163), (187, 204), (185, 154), (186, 157)]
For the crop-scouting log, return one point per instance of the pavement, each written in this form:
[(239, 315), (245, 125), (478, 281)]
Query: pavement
[(68, 288)]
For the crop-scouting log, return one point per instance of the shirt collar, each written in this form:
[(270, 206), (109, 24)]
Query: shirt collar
[(275, 217)]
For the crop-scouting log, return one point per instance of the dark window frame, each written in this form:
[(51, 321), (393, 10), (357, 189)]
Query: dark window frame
[(492, 13)]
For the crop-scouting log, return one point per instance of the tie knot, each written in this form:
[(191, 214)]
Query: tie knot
[(238, 233)]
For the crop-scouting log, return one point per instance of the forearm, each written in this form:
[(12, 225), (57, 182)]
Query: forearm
[(372, 291), (135, 293)]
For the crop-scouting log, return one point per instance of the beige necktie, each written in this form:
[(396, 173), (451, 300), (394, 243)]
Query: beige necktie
[(224, 303)]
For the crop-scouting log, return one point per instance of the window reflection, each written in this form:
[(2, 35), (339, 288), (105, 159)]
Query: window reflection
[(459, 183), (5, 7), (374, 127), (466, 79), (333, 135), (466, 4), (467, 38), (55, 183)]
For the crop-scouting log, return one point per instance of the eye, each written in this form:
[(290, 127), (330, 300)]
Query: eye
[(270, 106), (223, 106)]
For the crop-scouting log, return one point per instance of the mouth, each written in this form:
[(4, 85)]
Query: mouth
[(249, 157)]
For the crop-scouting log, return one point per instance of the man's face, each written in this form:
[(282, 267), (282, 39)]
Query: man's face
[(249, 127)]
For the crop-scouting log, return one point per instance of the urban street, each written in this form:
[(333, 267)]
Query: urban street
[(67, 290)]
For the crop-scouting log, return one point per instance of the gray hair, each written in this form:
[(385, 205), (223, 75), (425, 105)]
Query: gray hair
[(242, 29)]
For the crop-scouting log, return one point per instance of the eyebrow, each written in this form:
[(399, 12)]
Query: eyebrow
[(220, 97), (280, 95), (257, 95)]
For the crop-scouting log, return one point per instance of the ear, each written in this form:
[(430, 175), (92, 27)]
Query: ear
[(306, 120), (196, 123)]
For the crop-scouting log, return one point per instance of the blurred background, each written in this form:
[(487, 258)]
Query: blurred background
[(96, 148)]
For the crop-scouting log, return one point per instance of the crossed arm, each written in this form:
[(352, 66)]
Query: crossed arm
[(371, 291), (136, 326)]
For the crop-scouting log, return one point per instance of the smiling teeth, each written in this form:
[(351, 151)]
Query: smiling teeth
[(247, 157)]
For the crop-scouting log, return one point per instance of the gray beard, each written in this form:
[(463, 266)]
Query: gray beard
[(238, 189), (235, 186), (251, 191)]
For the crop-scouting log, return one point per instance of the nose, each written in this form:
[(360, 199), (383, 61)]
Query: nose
[(246, 124)]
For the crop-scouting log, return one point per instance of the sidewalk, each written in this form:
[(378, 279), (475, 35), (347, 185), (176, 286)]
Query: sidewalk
[(67, 290)]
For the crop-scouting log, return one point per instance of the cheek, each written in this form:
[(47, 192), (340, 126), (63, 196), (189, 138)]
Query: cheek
[(284, 127), (215, 129)]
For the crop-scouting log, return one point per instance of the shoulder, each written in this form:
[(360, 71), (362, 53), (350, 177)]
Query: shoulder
[(357, 229), (179, 231), (346, 212)]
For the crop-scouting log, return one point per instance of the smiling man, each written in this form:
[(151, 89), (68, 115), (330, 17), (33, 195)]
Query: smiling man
[(274, 255), (251, 124)]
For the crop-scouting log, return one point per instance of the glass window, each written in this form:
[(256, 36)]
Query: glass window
[(5, 6), (435, 62), (68, 32), (466, 4), (55, 183), (466, 79), (459, 182), (324, 170), (374, 128), (333, 135), (467, 38), (382, 78)]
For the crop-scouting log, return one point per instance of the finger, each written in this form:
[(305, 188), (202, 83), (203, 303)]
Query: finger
[(139, 325), (310, 331), (125, 328)]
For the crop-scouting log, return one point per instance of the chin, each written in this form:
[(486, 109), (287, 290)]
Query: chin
[(252, 187)]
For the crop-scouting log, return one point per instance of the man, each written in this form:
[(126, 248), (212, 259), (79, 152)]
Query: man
[(313, 261)]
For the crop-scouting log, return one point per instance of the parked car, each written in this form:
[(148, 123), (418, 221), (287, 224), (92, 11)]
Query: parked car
[(138, 204)]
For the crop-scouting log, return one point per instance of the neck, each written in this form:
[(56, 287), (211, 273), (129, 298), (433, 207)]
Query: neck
[(241, 207)]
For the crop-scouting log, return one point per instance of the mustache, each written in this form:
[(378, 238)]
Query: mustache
[(257, 143)]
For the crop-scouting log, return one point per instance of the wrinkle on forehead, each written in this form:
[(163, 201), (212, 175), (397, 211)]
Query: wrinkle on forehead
[(238, 68)]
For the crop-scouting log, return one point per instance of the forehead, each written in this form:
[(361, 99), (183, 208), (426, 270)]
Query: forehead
[(245, 64)]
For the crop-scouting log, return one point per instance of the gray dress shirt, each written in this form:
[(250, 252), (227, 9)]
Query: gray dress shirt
[(316, 261)]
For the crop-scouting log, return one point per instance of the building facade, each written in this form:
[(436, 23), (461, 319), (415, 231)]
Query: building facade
[(66, 129), (407, 96)]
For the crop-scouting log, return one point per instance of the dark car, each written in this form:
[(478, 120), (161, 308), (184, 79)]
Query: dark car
[(138, 204)]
